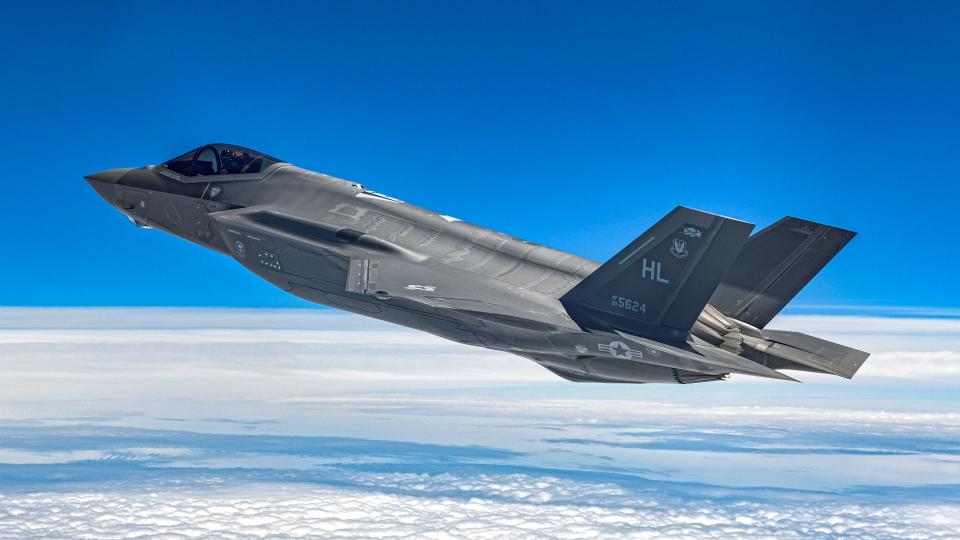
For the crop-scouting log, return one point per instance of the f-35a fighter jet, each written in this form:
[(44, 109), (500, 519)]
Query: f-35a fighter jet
[(686, 302)]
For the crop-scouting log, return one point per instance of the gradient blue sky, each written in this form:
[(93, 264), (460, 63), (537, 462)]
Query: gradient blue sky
[(575, 125)]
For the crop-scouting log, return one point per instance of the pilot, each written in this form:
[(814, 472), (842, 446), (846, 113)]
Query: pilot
[(235, 161)]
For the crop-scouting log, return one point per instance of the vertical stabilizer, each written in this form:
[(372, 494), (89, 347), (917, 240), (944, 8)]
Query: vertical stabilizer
[(657, 286), (773, 266)]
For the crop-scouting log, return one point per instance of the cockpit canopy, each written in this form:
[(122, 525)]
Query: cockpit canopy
[(218, 159)]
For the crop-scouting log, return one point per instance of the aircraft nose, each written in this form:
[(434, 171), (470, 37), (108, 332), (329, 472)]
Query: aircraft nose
[(109, 176), (104, 182)]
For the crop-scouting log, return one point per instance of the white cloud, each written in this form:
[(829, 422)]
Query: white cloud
[(29, 457), (878, 334), (123, 359), (308, 372), (920, 365), (598, 411), (260, 511), (104, 354), (343, 352)]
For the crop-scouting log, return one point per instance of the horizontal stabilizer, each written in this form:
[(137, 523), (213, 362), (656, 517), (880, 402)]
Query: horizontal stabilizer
[(815, 353), (657, 285), (773, 266), (707, 354)]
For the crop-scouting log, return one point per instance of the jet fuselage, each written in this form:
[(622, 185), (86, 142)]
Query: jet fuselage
[(337, 243)]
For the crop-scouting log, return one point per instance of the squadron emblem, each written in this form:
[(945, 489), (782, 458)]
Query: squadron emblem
[(679, 248)]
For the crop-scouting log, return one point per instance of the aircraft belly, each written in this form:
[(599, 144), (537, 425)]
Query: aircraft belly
[(398, 311), (618, 370)]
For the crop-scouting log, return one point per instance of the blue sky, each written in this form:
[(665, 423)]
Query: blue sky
[(575, 125), (570, 124)]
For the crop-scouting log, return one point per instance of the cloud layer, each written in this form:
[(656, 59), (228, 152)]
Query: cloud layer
[(264, 353), (261, 511), (264, 423)]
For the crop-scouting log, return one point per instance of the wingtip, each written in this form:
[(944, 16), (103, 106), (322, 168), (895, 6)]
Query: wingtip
[(789, 378)]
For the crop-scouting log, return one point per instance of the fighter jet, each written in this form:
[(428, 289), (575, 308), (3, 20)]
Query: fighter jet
[(686, 302)]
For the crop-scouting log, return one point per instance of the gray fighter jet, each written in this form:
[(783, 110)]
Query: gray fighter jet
[(685, 302)]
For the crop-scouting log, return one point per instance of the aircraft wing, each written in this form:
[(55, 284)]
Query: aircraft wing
[(443, 286), (380, 268)]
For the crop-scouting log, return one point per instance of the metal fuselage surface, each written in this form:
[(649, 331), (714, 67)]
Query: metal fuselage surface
[(310, 234), (336, 243)]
